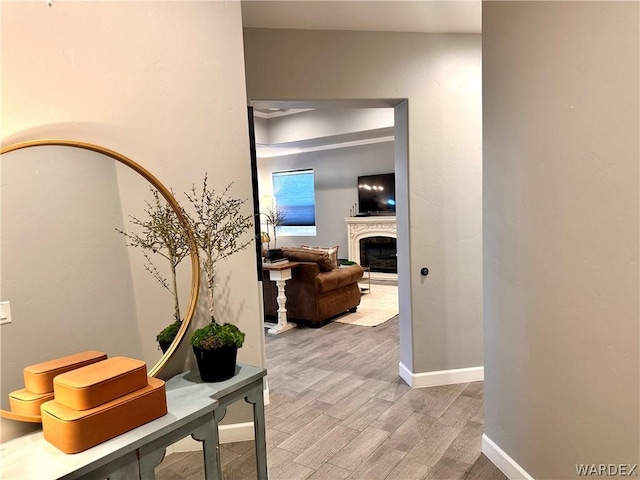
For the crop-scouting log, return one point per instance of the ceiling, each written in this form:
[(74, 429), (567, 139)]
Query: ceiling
[(449, 16)]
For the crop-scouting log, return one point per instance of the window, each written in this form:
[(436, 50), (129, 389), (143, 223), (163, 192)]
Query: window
[(295, 197)]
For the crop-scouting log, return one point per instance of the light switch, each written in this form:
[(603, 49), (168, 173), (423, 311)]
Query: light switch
[(5, 313)]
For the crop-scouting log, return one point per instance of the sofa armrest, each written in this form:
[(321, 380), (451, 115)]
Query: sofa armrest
[(338, 277)]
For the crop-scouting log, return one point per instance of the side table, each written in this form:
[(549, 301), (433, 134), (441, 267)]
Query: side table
[(366, 289), (280, 273)]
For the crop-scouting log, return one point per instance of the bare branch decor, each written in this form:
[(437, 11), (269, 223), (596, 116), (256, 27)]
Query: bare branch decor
[(160, 233), (275, 217), (219, 226)]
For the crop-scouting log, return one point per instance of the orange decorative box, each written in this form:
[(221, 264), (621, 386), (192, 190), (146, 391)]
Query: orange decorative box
[(39, 378), (25, 402), (74, 431), (98, 383)]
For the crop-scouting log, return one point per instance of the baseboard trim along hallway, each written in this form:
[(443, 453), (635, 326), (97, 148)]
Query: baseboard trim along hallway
[(441, 377), (504, 462)]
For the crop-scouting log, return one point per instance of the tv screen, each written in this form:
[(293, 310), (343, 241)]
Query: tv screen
[(377, 194)]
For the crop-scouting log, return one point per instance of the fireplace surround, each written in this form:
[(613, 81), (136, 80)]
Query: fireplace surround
[(382, 234)]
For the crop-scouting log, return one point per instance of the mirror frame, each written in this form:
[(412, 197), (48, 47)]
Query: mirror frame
[(168, 196)]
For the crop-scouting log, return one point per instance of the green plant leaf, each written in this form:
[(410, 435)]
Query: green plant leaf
[(215, 335), (169, 332)]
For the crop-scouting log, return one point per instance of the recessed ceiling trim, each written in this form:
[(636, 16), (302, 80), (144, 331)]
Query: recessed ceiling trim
[(317, 104), (263, 152), (279, 113)]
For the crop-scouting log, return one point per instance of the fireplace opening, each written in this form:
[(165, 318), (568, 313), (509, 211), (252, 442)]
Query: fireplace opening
[(379, 253)]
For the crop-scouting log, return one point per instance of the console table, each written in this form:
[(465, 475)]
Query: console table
[(195, 409)]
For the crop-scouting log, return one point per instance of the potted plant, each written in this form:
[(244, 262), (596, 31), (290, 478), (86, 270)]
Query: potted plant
[(219, 226), (161, 233), (168, 333), (216, 348), (345, 262)]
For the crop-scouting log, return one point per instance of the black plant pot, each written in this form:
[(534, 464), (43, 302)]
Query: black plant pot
[(164, 345), (217, 364)]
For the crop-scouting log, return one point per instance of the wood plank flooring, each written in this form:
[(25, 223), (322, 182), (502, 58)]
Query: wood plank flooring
[(339, 410)]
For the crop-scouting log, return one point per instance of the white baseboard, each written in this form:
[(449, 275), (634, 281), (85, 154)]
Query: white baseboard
[(236, 432), (441, 377), (504, 462)]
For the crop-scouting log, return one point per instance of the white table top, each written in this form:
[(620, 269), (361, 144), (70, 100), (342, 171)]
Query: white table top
[(188, 398)]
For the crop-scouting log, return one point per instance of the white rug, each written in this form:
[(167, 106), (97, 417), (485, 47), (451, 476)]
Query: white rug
[(376, 307)]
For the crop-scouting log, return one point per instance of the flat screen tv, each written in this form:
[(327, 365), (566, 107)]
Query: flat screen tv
[(377, 194)]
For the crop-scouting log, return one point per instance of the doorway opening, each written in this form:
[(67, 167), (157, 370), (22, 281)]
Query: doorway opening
[(295, 135)]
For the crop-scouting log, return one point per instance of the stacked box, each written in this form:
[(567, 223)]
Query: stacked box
[(38, 380), (86, 399), (99, 383), (25, 402), (95, 403), (74, 431)]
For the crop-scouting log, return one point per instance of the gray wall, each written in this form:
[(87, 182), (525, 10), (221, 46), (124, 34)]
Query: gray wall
[(561, 215), (336, 175), (160, 82), (440, 77)]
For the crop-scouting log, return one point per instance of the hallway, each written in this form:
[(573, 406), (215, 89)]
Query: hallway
[(339, 410)]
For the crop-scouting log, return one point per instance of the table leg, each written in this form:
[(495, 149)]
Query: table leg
[(282, 325), (208, 435), (148, 462), (256, 397), (126, 467)]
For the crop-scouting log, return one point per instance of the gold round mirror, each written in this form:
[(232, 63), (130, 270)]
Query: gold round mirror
[(67, 267)]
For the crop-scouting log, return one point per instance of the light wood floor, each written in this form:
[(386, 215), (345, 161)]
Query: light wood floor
[(338, 410)]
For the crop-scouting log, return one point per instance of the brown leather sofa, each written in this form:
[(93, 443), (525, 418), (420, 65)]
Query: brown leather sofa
[(316, 291)]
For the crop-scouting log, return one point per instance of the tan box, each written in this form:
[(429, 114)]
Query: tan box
[(38, 378), (90, 386), (74, 431), (25, 402)]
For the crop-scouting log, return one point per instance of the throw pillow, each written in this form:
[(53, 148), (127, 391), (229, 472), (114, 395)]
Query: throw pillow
[(295, 254), (332, 251)]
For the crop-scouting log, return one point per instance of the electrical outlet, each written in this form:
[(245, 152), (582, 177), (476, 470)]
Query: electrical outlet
[(5, 313)]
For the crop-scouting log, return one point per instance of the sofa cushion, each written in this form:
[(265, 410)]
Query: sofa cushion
[(332, 251), (321, 258), (340, 277)]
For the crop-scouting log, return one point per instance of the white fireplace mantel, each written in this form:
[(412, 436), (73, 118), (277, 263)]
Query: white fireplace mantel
[(359, 228)]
